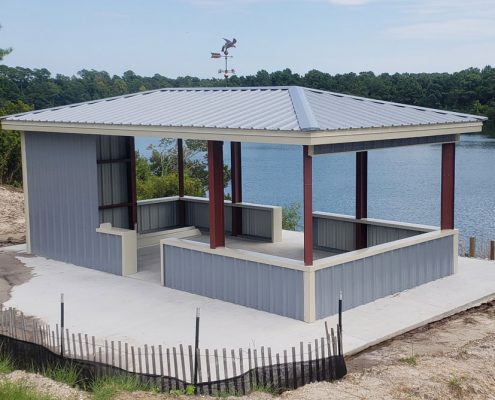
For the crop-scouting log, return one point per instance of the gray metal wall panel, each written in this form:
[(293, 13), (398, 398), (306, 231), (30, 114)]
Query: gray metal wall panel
[(333, 234), (384, 234), (368, 279), (261, 286), (157, 216), (63, 202)]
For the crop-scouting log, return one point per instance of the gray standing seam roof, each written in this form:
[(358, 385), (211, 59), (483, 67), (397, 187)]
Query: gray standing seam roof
[(284, 108)]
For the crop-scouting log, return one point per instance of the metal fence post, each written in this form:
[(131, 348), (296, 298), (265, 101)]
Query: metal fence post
[(62, 324), (196, 353)]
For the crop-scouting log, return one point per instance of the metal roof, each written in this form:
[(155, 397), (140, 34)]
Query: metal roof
[(289, 108)]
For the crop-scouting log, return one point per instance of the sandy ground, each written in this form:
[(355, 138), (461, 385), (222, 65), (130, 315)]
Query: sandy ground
[(12, 224)]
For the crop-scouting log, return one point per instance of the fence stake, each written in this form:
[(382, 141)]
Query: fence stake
[(94, 347), (53, 341), (160, 357), (492, 250), (183, 364), (153, 360), (328, 339), (176, 368), (310, 361), (196, 345), (146, 362), (217, 369), (317, 361), (208, 370), (106, 352), (234, 371), (250, 373), (169, 370), (62, 324), (472, 246), (200, 371), (256, 370), (263, 376), (241, 366), (133, 359), (286, 370), (120, 354), (270, 364), (323, 359), (74, 345), (112, 346), (340, 311), (225, 371), (68, 341), (334, 342), (301, 350), (191, 363), (126, 354), (294, 369), (140, 360)]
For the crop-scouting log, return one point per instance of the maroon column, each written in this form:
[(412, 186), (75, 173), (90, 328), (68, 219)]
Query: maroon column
[(215, 189), (448, 186), (235, 168), (361, 198), (308, 206), (180, 176)]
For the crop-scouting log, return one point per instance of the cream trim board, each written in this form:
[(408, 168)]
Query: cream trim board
[(455, 240), (251, 135), (381, 248), (129, 246), (376, 222), (309, 288), (25, 189)]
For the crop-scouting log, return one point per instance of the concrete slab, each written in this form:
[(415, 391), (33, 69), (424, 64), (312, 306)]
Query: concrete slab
[(291, 246), (139, 312)]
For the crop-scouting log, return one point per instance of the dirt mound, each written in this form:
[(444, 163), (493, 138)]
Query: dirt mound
[(12, 222)]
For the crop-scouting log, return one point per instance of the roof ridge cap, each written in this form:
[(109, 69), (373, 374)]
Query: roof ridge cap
[(304, 113)]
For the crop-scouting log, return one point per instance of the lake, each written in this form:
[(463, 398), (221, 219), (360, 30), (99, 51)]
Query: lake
[(403, 183)]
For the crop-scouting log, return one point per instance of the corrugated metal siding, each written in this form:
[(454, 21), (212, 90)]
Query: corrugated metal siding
[(261, 286), (256, 222), (384, 234), (270, 108), (371, 278), (63, 202), (333, 234), (157, 216)]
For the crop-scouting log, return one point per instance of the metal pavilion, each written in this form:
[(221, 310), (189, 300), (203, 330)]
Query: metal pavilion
[(79, 180)]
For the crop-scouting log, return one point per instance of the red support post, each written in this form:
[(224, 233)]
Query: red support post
[(180, 176), (216, 194), (308, 206), (236, 171), (448, 186), (361, 232)]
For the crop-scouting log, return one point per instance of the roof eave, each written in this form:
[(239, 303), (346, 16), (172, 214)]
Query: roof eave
[(307, 137)]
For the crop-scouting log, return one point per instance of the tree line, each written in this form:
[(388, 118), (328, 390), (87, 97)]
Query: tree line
[(21, 89)]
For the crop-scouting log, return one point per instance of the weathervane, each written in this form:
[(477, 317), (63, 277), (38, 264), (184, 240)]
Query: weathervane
[(225, 50)]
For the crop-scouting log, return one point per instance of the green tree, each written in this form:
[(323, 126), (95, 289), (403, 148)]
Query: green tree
[(290, 216), (10, 147)]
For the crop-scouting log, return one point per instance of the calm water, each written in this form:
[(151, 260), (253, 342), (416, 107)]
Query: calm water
[(404, 183)]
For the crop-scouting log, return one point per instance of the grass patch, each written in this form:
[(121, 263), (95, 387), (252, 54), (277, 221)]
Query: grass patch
[(411, 360), (107, 387), (455, 384), (18, 391), (264, 388), (68, 373), (6, 364)]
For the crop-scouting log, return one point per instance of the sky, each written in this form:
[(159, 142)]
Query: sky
[(175, 37)]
